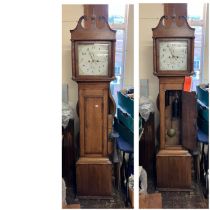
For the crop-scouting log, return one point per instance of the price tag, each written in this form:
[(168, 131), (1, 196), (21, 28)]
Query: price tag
[(187, 84)]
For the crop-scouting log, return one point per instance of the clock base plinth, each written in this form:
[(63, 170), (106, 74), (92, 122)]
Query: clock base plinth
[(173, 170), (94, 178)]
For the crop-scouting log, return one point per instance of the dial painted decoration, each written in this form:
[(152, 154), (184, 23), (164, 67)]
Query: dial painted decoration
[(173, 55), (93, 59)]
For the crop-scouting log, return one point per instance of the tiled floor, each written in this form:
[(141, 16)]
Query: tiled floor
[(186, 200), (183, 200), (116, 202)]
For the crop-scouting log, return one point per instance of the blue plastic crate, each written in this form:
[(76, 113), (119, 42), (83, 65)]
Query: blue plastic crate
[(125, 103), (203, 111), (127, 120), (203, 95), (123, 131), (203, 125)]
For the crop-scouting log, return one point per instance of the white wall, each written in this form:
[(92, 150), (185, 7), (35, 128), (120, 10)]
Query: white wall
[(206, 51), (149, 17), (128, 73), (70, 16)]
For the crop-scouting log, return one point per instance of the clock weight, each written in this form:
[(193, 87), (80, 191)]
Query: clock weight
[(175, 112)]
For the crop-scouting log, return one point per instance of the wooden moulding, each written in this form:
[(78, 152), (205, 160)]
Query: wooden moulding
[(173, 152), (86, 160)]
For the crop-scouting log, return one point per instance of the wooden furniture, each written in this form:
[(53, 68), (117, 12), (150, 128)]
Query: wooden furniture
[(68, 152), (93, 53), (147, 145), (173, 60)]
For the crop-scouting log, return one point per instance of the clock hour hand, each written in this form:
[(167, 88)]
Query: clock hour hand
[(171, 51), (92, 58)]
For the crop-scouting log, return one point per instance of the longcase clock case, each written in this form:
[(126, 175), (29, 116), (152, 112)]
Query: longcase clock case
[(93, 168), (177, 108)]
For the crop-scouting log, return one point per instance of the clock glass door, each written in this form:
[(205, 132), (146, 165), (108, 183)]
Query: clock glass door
[(93, 58), (173, 55)]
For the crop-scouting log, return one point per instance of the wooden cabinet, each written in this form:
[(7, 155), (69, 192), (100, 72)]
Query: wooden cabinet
[(147, 145), (68, 151)]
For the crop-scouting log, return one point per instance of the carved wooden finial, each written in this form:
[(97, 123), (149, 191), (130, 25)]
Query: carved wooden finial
[(97, 29), (173, 28)]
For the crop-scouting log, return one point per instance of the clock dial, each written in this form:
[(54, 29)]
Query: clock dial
[(93, 59), (173, 55)]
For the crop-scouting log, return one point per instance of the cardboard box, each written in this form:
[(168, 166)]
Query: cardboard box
[(147, 201), (130, 192), (150, 201)]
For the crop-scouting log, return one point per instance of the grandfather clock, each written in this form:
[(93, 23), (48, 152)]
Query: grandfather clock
[(93, 53), (173, 52)]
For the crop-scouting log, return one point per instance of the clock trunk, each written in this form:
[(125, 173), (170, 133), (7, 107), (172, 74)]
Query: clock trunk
[(93, 111), (177, 134), (94, 170)]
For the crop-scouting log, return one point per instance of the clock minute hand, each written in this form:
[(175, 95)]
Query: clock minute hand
[(171, 52), (91, 55)]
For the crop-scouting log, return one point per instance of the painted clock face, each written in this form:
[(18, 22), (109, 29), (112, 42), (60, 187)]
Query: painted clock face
[(93, 58), (173, 55)]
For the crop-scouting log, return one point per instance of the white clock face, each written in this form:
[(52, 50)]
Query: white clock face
[(93, 59), (173, 55)]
